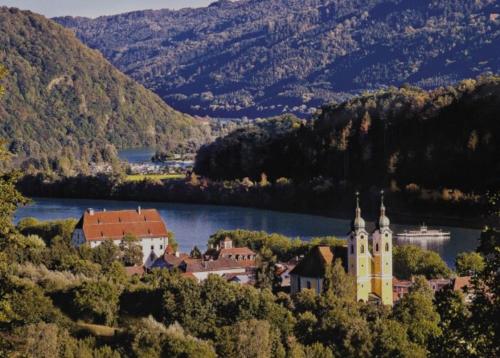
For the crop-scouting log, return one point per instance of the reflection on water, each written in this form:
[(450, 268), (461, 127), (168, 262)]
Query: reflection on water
[(193, 224), (428, 244)]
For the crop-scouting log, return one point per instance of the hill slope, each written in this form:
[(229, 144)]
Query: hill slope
[(265, 57), (64, 99), (403, 138)]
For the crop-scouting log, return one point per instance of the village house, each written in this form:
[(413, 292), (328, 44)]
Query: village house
[(283, 270), (235, 264), (147, 226), (460, 284), (310, 271)]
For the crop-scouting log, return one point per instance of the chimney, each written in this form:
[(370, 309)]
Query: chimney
[(90, 211), (139, 210), (104, 210)]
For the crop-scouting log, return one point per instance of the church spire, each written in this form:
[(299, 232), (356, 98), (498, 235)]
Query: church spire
[(383, 220), (358, 222)]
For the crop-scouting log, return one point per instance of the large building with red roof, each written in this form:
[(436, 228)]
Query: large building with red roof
[(95, 227)]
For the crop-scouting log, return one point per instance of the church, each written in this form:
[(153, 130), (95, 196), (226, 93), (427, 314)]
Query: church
[(371, 267)]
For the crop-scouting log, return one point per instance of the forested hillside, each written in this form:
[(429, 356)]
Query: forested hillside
[(402, 138), (266, 57), (64, 102)]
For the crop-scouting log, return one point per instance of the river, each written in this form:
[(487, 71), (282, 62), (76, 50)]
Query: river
[(193, 224)]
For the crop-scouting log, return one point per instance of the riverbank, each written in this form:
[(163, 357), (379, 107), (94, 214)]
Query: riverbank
[(283, 197), (194, 224)]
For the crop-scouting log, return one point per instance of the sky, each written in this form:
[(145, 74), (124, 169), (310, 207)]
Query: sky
[(95, 8)]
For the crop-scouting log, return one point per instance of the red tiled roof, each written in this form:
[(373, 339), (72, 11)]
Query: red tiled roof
[(116, 224), (169, 250), (174, 260), (460, 282)]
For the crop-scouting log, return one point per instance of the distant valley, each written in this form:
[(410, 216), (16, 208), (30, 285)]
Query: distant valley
[(259, 58), (65, 106)]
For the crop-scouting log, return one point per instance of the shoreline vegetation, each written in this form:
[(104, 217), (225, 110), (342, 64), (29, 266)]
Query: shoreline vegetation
[(407, 207)]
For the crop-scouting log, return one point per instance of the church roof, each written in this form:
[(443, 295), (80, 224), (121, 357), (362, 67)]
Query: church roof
[(315, 262)]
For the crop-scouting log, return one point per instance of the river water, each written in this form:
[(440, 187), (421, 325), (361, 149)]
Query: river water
[(193, 224)]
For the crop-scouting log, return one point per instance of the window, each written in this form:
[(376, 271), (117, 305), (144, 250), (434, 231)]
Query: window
[(309, 284), (152, 247), (161, 247), (376, 247), (387, 247), (362, 250), (352, 249)]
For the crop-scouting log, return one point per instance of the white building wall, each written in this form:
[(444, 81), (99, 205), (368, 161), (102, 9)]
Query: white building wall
[(200, 276), (156, 245)]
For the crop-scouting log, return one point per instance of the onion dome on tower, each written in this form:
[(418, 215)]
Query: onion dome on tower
[(358, 223), (383, 221)]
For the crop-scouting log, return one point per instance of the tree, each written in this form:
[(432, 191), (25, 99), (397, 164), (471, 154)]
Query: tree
[(265, 269), (38, 340), (456, 340), (469, 263), (485, 305), (131, 251), (3, 73), (246, 339), (391, 340), (105, 254), (98, 301), (338, 283), (412, 260), (10, 198), (195, 253), (171, 240), (263, 180), (317, 350), (417, 312)]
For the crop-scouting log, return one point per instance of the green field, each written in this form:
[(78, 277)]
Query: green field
[(139, 177)]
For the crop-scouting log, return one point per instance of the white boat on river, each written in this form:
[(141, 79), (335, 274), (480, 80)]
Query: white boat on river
[(423, 234)]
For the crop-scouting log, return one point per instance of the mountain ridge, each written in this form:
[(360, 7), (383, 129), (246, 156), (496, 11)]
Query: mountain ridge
[(66, 102), (262, 58)]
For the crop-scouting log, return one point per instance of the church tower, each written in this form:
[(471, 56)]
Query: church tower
[(382, 257), (359, 257)]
